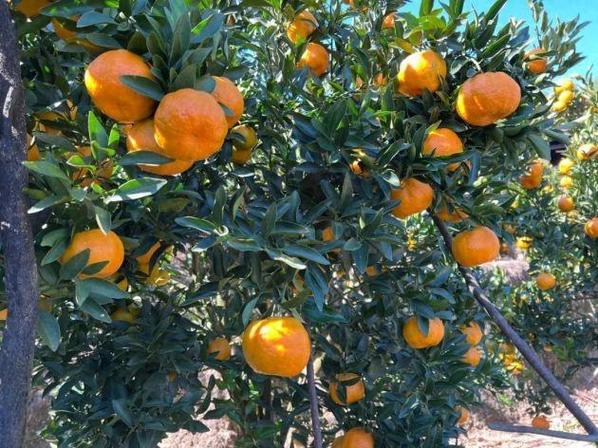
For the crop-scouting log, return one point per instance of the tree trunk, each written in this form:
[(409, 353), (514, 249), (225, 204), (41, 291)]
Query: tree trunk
[(16, 352)]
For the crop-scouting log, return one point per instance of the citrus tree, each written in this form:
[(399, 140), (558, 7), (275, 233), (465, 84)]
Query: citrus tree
[(237, 195)]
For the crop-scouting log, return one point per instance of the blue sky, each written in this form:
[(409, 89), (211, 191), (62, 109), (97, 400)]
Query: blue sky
[(563, 9)]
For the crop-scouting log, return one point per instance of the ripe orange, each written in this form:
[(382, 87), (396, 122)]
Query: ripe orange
[(140, 136), (456, 215), (123, 315), (328, 234), (565, 165), (358, 438), (591, 227), (533, 178), (354, 392), (337, 443), (242, 150), (276, 346), (358, 168), (33, 154), (541, 422), (487, 98), (31, 8), (145, 259), (421, 71), (587, 151), (101, 248), (221, 347), (566, 203), (3, 314), (110, 95), (474, 247), (415, 197), (545, 281), (536, 64), (472, 356), (463, 415), (443, 142), (473, 333), (302, 26), (415, 338), (227, 94), (388, 22), (315, 58), (189, 125)]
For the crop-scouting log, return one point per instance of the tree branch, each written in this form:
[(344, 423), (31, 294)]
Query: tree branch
[(504, 427), (524, 348), (16, 352), (313, 403)]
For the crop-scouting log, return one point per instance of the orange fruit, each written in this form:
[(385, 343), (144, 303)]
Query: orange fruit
[(567, 84), (415, 337), (316, 58), (302, 26), (227, 94), (358, 168), (3, 314), (472, 356), (242, 150), (388, 22), (84, 176), (443, 142), (415, 197), (474, 247), (587, 151), (463, 415), (221, 347), (533, 178), (488, 97), (456, 215), (110, 95), (536, 64), (70, 36), (123, 315), (566, 203), (328, 234), (354, 392), (337, 443), (473, 333), (565, 165), (31, 8), (358, 438), (524, 242), (559, 107), (33, 154), (566, 182), (379, 79), (545, 281), (157, 276), (101, 248), (591, 227), (566, 97), (277, 346), (146, 258), (189, 125), (140, 136), (421, 71), (541, 422)]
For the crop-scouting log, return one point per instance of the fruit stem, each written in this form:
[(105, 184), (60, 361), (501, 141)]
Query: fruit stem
[(313, 403), (524, 348)]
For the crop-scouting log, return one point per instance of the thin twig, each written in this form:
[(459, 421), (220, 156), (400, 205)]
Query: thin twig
[(504, 427), (313, 404), (524, 348)]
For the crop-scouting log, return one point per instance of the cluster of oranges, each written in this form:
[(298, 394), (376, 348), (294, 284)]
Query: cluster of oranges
[(564, 94)]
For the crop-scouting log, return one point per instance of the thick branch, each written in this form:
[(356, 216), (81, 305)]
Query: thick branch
[(16, 352), (313, 403), (524, 348), (504, 427)]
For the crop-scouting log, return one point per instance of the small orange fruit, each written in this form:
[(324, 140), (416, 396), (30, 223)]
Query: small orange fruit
[(388, 23), (33, 154), (566, 203), (536, 64), (110, 95), (358, 438), (70, 36), (328, 234), (474, 247), (488, 97), (463, 415), (473, 333), (456, 215), (421, 71), (566, 97), (591, 227), (472, 356), (545, 281), (565, 165), (123, 315), (533, 178), (101, 248), (242, 150), (337, 443), (3, 314), (145, 259), (189, 125), (31, 8), (227, 94), (415, 197), (379, 80), (541, 422), (277, 346), (140, 136), (316, 58), (221, 347), (587, 151), (415, 337), (302, 26), (354, 392), (443, 142), (567, 84)]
